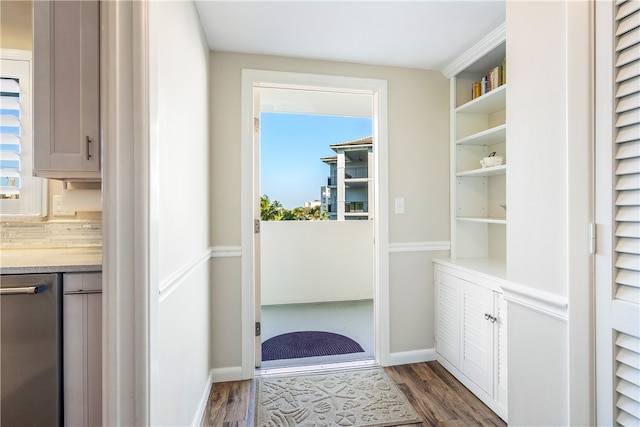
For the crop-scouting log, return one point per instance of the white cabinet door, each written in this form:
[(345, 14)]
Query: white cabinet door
[(477, 356), (448, 317), (82, 349), (67, 89)]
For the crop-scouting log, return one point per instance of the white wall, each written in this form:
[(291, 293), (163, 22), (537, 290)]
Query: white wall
[(548, 104), (180, 206), (316, 261), (418, 123)]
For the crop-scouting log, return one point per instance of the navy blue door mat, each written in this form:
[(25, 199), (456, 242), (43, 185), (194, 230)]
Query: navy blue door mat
[(295, 345)]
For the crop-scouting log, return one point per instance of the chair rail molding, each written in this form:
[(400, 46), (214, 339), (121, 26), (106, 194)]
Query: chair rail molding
[(419, 246), (544, 302), (226, 251), (174, 281)]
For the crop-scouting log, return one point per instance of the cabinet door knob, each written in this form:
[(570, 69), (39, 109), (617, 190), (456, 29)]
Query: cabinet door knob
[(487, 316)]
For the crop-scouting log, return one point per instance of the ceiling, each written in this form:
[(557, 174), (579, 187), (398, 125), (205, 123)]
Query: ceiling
[(426, 34)]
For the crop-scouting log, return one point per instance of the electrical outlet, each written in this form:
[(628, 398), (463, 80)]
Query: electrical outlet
[(58, 208)]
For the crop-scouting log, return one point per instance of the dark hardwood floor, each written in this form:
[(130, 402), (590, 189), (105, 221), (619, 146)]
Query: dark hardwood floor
[(434, 393)]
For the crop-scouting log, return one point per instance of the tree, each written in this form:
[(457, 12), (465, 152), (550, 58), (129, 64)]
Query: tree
[(270, 211), (274, 211)]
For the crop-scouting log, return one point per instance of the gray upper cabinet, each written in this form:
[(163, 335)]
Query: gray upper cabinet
[(67, 89)]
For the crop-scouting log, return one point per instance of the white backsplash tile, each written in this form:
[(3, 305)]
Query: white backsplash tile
[(50, 234)]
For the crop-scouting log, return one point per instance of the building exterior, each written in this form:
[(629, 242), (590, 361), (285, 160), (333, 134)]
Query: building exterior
[(349, 186)]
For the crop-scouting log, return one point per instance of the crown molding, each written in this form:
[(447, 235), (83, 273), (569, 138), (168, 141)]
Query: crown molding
[(485, 45)]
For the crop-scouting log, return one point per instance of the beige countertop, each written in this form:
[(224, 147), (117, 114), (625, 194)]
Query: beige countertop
[(58, 260)]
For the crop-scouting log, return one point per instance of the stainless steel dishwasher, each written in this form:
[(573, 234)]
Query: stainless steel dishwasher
[(30, 350)]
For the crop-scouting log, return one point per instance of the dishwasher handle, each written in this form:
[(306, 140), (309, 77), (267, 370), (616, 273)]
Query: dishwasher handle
[(23, 290)]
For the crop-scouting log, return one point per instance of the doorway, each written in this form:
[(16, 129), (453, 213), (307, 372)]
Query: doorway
[(316, 260), (376, 89)]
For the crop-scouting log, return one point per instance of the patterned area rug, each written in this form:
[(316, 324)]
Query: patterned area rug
[(365, 397), (296, 345)]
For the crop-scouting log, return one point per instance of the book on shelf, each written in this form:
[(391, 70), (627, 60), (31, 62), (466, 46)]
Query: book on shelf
[(496, 77)]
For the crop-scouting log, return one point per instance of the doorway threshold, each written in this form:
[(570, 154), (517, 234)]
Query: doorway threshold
[(322, 367)]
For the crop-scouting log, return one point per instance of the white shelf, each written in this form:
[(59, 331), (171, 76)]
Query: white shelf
[(488, 103), (492, 171), (485, 220), (491, 136)]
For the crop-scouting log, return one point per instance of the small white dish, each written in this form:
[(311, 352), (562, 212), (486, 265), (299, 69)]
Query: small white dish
[(488, 162)]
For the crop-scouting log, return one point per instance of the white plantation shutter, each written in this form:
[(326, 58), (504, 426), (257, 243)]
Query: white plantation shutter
[(626, 215), (9, 138), (20, 192), (627, 371)]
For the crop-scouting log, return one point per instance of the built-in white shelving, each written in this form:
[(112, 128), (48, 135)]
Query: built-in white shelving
[(491, 136), (492, 171), (488, 103), (471, 318), (483, 220), (478, 129)]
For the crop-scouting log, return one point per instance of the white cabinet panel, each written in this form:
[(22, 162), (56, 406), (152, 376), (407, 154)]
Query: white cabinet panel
[(82, 349), (501, 376), (448, 318), (67, 89)]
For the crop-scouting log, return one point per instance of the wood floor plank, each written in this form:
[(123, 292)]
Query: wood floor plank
[(435, 394), (215, 411), (238, 401)]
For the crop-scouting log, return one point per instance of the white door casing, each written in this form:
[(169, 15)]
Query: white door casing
[(274, 79), (257, 219)]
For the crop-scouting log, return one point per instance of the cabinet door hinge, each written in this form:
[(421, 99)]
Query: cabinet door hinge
[(256, 226), (592, 239), (258, 329)]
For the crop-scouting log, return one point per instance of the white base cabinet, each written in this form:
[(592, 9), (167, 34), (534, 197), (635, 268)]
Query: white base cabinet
[(471, 335), (82, 348)]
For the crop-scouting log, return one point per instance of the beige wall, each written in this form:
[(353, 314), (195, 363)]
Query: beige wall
[(16, 23), (418, 133)]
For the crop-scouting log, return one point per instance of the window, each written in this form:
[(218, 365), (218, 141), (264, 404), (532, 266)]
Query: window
[(20, 192)]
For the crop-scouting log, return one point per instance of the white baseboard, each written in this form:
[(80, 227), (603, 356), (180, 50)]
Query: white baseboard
[(202, 405), (413, 356), (232, 373)]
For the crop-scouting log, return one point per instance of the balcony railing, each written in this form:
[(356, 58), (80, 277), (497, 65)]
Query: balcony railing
[(356, 207), (350, 173), (356, 173), (351, 207)]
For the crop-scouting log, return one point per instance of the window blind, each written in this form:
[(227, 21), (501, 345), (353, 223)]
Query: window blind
[(626, 253), (10, 133)]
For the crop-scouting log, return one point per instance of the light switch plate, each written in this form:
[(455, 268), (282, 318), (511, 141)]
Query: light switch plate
[(399, 205)]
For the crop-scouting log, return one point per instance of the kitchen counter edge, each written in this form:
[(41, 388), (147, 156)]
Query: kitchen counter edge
[(51, 269)]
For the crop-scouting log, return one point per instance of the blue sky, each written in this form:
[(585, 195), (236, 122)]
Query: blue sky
[(290, 149)]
